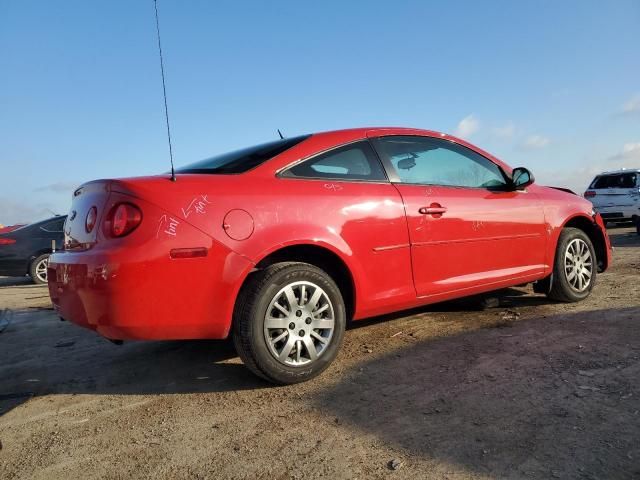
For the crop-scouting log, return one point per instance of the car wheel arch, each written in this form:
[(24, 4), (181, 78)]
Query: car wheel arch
[(589, 227), (35, 255), (320, 256)]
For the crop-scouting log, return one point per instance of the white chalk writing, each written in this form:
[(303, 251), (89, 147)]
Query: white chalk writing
[(198, 205), (167, 225)]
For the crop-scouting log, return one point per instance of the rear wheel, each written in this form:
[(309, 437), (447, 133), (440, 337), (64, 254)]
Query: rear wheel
[(575, 266), (38, 269), (289, 322)]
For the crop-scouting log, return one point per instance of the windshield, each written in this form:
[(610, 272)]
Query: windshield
[(621, 180), (242, 160)]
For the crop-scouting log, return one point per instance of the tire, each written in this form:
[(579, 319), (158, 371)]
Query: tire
[(573, 280), (274, 350), (36, 272)]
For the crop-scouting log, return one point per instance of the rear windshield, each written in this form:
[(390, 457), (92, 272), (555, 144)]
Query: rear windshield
[(242, 160), (620, 180)]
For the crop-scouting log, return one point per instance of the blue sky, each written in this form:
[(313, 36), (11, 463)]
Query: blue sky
[(554, 86)]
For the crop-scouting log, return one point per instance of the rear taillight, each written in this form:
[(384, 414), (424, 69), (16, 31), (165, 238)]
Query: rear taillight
[(589, 194), (90, 221), (7, 241), (124, 219)]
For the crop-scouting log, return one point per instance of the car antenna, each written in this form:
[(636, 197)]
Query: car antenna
[(280, 133), (164, 92)]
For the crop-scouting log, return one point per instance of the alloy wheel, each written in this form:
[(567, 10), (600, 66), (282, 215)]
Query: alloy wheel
[(41, 270), (299, 323), (578, 265)]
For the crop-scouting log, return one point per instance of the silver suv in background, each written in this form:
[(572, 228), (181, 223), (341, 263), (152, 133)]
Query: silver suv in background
[(616, 195)]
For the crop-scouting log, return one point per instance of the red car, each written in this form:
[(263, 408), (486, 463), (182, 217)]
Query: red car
[(279, 245), (10, 228)]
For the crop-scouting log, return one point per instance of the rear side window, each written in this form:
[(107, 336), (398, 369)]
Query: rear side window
[(356, 161), (621, 180), (55, 226), (240, 161)]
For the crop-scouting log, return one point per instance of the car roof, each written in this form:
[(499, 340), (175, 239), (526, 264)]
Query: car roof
[(622, 170), (329, 139), (364, 132), (39, 223)]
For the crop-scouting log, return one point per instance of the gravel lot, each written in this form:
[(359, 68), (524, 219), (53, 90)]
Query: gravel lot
[(526, 389)]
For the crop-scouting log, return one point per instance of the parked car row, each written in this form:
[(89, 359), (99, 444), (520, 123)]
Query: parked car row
[(615, 195), (344, 225)]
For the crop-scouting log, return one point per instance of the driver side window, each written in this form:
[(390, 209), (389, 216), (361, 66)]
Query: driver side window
[(433, 161)]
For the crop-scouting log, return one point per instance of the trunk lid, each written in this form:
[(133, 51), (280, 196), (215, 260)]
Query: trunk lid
[(190, 199), (89, 195)]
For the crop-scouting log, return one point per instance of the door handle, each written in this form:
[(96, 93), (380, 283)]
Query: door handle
[(433, 209)]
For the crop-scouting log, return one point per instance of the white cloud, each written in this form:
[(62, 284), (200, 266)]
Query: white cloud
[(535, 142), (629, 157), (59, 187), (578, 179), (505, 132), (47, 200), (632, 149), (13, 212), (467, 127), (632, 105)]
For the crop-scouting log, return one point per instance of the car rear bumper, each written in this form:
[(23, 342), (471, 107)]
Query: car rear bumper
[(618, 213), (145, 294)]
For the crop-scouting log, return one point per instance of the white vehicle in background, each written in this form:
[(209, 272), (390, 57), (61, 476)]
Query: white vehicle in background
[(616, 195)]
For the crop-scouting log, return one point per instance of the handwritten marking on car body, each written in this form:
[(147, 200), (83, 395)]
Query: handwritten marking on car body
[(198, 205), (167, 225)]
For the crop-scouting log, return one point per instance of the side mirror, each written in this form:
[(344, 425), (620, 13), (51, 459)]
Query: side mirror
[(521, 178)]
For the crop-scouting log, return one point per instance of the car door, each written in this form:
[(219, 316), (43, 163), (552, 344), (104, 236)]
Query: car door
[(467, 229), (345, 195)]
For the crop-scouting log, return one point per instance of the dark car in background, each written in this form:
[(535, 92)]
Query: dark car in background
[(26, 250)]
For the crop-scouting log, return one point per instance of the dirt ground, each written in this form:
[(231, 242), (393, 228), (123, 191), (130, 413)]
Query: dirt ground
[(526, 389)]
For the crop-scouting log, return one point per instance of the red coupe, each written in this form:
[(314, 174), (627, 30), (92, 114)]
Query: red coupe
[(280, 244)]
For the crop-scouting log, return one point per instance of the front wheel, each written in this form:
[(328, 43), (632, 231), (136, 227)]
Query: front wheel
[(38, 269), (289, 322), (575, 266)]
